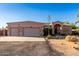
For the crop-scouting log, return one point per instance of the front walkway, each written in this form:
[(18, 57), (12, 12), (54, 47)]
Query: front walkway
[(12, 38)]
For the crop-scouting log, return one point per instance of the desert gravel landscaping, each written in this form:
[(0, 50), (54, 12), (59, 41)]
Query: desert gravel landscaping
[(25, 46), (36, 46), (64, 47), (24, 49)]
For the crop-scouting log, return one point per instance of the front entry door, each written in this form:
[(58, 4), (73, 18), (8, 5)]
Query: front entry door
[(57, 29)]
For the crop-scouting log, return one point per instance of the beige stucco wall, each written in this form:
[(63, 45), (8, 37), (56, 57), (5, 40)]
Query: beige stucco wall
[(67, 29), (54, 23), (21, 26)]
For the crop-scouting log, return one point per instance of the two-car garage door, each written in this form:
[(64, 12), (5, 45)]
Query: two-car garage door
[(32, 32), (26, 32)]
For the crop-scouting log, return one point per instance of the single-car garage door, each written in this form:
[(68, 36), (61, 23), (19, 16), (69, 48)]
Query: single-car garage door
[(32, 32), (14, 32)]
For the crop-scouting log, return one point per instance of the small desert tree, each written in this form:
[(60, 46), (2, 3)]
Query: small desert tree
[(49, 27)]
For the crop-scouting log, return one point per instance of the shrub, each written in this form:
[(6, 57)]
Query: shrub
[(75, 32), (71, 38), (49, 37), (76, 46)]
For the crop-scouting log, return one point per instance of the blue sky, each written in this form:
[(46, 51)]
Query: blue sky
[(38, 12)]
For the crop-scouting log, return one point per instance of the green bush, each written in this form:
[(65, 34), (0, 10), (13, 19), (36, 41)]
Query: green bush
[(49, 37), (77, 30)]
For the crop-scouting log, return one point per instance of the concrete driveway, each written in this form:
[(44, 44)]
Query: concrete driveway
[(13, 38)]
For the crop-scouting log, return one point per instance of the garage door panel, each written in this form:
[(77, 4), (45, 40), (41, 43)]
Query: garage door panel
[(31, 32), (14, 32)]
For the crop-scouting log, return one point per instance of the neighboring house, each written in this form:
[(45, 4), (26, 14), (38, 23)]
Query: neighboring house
[(31, 28)]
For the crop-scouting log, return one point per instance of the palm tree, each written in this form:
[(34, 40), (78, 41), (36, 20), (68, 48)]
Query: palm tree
[(49, 18), (49, 36), (77, 20)]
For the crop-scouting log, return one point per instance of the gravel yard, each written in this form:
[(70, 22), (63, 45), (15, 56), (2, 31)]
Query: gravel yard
[(24, 49), (25, 46), (36, 46), (64, 47)]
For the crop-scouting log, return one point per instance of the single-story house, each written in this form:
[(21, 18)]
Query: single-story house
[(31, 28)]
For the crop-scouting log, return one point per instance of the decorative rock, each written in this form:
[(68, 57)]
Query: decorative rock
[(76, 47), (71, 38)]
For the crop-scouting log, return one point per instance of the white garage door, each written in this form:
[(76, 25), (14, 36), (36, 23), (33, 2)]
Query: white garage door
[(14, 32), (32, 32)]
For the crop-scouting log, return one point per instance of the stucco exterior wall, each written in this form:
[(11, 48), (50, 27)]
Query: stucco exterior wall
[(33, 28), (67, 29), (20, 29)]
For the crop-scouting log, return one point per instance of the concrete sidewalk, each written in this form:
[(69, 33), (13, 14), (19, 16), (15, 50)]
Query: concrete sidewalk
[(13, 38)]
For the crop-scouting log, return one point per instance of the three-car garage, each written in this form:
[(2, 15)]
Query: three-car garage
[(29, 29)]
